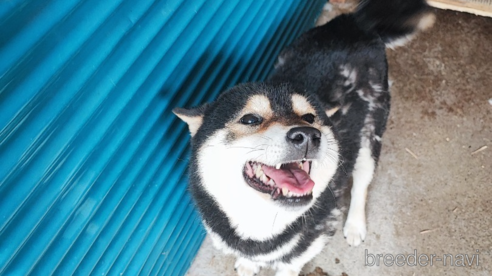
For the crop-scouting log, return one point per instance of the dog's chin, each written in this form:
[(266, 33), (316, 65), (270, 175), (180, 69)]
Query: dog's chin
[(294, 188)]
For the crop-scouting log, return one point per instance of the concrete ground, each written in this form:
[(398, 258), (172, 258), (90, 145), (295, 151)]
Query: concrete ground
[(433, 188)]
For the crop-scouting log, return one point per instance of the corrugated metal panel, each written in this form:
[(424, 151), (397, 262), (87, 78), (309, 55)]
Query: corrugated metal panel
[(93, 163)]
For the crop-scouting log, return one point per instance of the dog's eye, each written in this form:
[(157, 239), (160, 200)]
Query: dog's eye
[(308, 118), (251, 119)]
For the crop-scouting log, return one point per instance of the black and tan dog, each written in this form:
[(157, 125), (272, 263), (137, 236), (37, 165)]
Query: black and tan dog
[(270, 159)]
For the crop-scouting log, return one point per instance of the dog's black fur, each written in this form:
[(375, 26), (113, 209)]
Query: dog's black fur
[(321, 65), (321, 52)]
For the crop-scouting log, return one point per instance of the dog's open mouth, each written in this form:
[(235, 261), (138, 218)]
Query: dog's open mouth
[(287, 182)]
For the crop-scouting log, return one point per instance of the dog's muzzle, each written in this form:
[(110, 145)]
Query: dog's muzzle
[(288, 182)]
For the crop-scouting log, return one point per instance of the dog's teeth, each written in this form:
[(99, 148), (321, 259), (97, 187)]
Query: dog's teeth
[(258, 171), (276, 193), (285, 191), (264, 178), (278, 166), (271, 182), (290, 194)]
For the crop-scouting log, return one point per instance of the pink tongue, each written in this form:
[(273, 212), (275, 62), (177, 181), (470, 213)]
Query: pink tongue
[(293, 178)]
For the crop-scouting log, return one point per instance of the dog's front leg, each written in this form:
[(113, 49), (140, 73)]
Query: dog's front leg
[(245, 267), (355, 227)]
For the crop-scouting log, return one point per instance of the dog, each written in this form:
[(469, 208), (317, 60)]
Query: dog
[(271, 159)]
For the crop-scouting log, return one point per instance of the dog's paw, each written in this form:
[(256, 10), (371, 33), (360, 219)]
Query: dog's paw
[(355, 232), (245, 267)]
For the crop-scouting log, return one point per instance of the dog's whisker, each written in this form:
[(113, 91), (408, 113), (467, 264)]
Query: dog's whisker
[(265, 137), (274, 219), (243, 147), (258, 157), (251, 151)]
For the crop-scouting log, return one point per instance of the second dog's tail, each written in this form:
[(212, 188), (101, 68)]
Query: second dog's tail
[(396, 21)]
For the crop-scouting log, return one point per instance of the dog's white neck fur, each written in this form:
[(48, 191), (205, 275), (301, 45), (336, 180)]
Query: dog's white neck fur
[(255, 215)]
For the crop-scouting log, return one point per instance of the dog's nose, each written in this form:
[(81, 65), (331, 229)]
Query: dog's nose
[(301, 137)]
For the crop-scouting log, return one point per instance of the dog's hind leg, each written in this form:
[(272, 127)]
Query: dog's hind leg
[(355, 226)]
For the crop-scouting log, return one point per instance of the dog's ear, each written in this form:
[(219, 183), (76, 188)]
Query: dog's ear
[(192, 116)]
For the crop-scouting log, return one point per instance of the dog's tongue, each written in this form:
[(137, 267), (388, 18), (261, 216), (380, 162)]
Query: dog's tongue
[(292, 177)]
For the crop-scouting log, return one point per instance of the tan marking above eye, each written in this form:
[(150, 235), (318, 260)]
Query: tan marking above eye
[(258, 104), (301, 106)]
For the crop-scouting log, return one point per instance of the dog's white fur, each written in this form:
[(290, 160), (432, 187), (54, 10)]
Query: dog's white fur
[(295, 266), (253, 214)]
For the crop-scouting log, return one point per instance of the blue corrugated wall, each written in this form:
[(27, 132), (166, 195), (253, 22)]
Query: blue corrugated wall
[(92, 161)]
